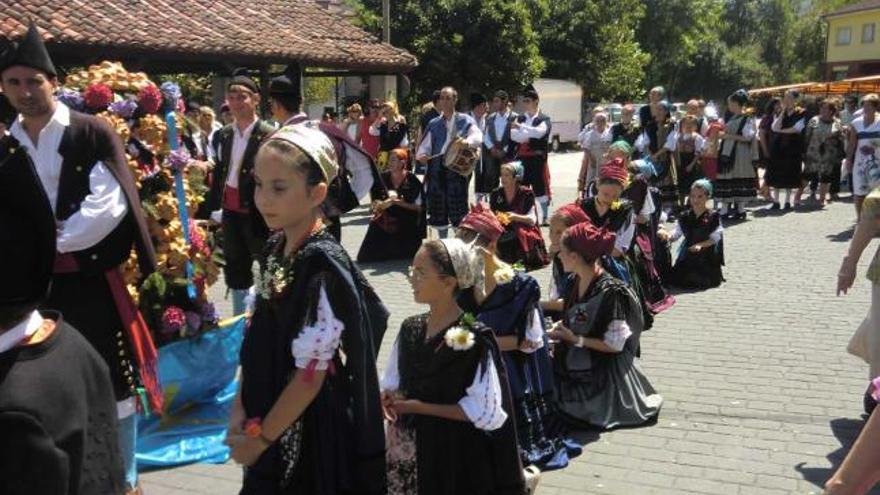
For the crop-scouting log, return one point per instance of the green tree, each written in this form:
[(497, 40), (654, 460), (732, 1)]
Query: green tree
[(473, 45), (593, 42), (674, 32)]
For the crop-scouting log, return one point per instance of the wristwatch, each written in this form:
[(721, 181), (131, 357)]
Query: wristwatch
[(580, 341)]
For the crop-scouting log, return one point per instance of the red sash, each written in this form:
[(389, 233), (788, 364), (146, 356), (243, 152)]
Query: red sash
[(134, 326)]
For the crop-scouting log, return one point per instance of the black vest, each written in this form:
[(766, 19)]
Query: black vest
[(540, 144), (224, 139)]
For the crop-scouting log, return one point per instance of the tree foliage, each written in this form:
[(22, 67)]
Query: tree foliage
[(472, 45), (593, 42), (615, 50)]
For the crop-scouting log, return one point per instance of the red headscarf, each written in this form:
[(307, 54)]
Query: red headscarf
[(590, 241), (573, 214), (484, 222), (614, 170)]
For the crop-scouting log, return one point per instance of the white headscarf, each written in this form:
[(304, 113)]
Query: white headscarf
[(465, 262)]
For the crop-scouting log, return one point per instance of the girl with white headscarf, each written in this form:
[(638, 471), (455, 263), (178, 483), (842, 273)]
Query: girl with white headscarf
[(445, 388)]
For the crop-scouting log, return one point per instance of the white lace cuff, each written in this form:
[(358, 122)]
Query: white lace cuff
[(616, 335), (318, 343), (482, 404)]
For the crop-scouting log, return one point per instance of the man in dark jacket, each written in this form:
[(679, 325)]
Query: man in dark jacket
[(57, 414), (231, 198), (86, 182)]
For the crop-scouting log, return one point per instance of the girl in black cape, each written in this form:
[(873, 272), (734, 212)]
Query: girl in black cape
[(701, 254), (307, 417), (445, 393)]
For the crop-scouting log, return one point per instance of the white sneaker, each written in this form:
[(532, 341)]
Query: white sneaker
[(533, 477)]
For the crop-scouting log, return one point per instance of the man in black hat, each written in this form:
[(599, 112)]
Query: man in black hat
[(286, 97), (86, 181), (531, 130), (57, 413), (231, 198), (498, 147)]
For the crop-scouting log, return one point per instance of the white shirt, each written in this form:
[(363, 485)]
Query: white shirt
[(23, 330), (500, 124), (675, 136), (318, 343), (481, 403), (473, 138), (777, 124), (527, 130), (240, 141), (103, 208), (715, 236)]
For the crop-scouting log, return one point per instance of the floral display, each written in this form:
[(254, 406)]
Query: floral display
[(130, 103)]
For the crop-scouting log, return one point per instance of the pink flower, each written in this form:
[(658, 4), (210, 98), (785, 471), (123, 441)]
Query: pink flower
[(150, 99), (173, 319), (98, 96), (197, 241), (876, 392)]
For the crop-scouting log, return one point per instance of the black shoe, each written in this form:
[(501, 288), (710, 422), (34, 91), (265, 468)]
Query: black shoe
[(787, 206), (740, 215), (869, 402), (774, 206)]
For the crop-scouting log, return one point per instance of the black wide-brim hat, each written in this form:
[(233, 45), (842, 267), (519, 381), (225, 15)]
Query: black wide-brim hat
[(27, 229), (30, 51)]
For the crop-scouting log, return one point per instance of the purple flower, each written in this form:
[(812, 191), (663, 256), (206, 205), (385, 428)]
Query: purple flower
[(193, 320), (73, 99), (867, 149), (124, 108), (178, 159), (173, 319), (170, 94)]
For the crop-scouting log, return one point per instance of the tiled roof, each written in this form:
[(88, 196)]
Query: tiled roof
[(856, 7), (273, 31)]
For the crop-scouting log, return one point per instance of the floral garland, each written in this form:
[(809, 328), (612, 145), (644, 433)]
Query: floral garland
[(130, 103)]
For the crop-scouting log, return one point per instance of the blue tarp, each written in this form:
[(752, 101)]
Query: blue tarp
[(198, 377)]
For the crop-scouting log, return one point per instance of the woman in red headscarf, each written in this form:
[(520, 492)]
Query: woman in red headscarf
[(397, 228), (508, 301), (598, 379), (522, 241), (563, 218)]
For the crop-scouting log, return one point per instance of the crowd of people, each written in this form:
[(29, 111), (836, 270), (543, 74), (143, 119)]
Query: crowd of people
[(496, 369)]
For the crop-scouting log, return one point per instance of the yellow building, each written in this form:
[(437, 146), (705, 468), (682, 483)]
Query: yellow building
[(853, 47)]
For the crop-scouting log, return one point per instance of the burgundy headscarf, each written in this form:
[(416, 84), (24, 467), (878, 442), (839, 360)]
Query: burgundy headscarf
[(614, 170), (590, 241), (484, 222), (573, 214)]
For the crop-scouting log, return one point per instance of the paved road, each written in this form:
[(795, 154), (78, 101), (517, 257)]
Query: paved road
[(761, 397)]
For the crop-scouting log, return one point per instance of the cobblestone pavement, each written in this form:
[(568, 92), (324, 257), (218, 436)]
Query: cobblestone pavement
[(761, 397)]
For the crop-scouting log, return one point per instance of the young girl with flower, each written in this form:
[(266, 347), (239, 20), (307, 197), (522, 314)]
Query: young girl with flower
[(508, 302), (444, 392), (307, 417), (599, 381)]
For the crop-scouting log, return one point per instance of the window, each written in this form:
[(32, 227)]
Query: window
[(868, 32), (838, 74), (844, 35)]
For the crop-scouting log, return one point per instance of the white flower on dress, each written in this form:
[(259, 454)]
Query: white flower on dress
[(504, 274), (459, 339)]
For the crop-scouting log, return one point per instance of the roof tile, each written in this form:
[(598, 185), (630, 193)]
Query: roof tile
[(276, 30)]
